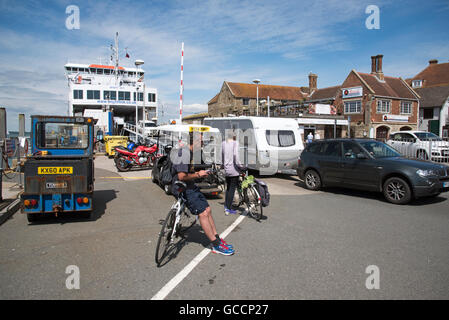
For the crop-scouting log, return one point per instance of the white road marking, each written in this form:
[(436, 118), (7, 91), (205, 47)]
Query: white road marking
[(165, 291)]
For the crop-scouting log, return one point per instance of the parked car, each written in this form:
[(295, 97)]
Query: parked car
[(420, 144), (370, 165)]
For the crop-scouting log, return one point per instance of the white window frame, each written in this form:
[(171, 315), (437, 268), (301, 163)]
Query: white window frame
[(383, 108), (416, 83), (402, 107), (93, 92), (347, 110), (151, 97), (76, 94)]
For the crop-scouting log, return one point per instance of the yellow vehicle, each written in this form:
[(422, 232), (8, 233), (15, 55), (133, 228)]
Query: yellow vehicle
[(114, 141)]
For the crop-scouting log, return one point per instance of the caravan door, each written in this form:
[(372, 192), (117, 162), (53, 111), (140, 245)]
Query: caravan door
[(247, 142)]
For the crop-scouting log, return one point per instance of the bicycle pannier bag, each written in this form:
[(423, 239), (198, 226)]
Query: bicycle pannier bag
[(262, 188)]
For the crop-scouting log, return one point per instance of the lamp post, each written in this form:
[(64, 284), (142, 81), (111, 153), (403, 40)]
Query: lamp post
[(257, 81), (138, 63)]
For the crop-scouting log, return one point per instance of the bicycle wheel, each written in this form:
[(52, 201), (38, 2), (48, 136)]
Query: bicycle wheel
[(253, 203), (165, 236), (186, 222), (240, 195)]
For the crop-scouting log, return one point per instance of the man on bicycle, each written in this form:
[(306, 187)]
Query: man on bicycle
[(183, 169)]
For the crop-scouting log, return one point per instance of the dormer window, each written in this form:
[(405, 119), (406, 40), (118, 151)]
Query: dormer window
[(416, 83)]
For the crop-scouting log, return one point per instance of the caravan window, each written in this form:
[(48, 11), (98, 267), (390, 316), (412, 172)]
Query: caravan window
[(280, 138)]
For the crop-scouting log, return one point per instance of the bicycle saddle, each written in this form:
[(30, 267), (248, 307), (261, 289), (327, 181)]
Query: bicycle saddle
[(181, 184)]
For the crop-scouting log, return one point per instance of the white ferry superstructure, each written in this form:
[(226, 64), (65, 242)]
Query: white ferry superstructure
[(121, 90)]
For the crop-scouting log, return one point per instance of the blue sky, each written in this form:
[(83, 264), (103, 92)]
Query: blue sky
[(279, 42)]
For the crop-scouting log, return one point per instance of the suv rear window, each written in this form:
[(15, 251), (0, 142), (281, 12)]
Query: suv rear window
[(325, 148), (314, 148), (331, 149)]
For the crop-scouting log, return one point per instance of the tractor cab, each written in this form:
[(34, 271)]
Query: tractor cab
[(59, 175)]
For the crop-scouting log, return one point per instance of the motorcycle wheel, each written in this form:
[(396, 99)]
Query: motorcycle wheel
[(122, 165)]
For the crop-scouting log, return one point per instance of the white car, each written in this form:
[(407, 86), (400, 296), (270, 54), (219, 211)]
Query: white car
[(420, 144)]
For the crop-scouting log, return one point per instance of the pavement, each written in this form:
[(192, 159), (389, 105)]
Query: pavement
[(11, 189), (311, 245)]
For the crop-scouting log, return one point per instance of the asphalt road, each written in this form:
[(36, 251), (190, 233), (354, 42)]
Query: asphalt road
[(312, 245)]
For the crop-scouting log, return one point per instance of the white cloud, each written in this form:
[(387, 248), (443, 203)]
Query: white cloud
[(194, 108)]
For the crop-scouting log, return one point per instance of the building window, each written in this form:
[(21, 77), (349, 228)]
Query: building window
[(428, 113), (354, 106), (406, 107), (93, 94), (416, 83), (139, 96), (383, 106), (124, 95), (245, 101), (109, 95), (151, 97), (77, 94)]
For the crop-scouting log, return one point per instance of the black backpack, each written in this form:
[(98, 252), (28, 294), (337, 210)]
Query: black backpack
[(166, 176), (262, 188)]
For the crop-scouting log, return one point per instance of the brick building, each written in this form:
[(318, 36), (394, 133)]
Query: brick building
[(432, 84), (240, 98), (377, 104)]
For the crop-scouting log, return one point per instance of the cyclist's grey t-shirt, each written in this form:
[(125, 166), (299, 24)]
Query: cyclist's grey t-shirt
[(180, 159)]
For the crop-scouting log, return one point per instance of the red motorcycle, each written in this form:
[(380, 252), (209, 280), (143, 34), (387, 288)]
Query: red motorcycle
[(142, 156)]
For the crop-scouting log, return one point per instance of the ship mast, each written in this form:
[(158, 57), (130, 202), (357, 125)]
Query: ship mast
[(116, 57)]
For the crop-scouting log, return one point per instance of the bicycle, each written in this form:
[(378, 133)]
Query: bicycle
[(249, 195), (178, 221), (215, 177)]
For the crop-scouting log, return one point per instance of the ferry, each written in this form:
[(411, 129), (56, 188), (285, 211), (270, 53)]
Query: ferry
[(112, 88)]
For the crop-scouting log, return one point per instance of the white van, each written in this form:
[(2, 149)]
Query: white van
[(148, 126), (268, 145)]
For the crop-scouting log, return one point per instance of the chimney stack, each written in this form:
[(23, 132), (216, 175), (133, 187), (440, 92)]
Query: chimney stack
[(312, 82), (376, 66), (373, 65), (433, 61)]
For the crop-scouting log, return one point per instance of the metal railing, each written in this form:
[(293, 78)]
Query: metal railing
[(432, 150)]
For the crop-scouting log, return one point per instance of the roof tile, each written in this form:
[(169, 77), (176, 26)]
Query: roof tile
[(247, 90)]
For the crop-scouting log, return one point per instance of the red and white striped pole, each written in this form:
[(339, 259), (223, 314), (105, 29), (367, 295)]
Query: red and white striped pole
[(181, 89)]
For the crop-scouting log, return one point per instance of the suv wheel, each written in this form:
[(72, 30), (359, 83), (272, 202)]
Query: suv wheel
[(312, 180), (397, 191)]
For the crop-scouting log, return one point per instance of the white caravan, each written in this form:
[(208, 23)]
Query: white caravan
[(268, 145)]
